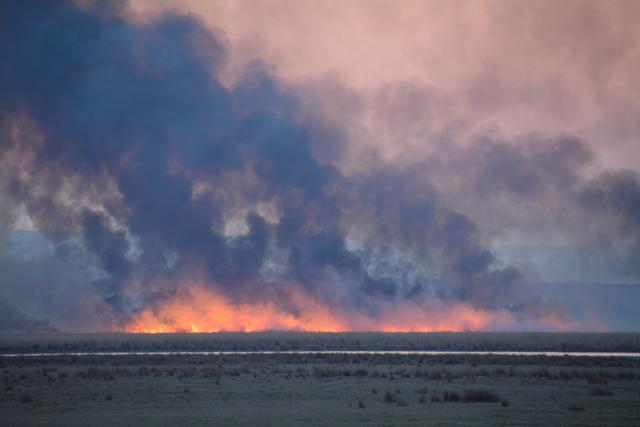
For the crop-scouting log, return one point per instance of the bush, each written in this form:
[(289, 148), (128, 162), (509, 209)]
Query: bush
[(25, 398), (451, 396), (324, 372), (468, 396), (360, 372), (390, 397), (422, 390), (601, 392), (479, 396), (505, 403), (576, 408)]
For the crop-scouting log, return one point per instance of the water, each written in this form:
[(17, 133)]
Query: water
[(354, 352)]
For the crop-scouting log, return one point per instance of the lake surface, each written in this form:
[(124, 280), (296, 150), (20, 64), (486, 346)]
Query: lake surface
[(355, 352)]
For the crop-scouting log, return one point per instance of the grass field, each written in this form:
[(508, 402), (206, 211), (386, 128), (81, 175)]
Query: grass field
[(314, 389), (292, 341)]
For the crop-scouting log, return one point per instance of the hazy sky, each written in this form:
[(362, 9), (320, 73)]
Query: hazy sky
[(509, 67)]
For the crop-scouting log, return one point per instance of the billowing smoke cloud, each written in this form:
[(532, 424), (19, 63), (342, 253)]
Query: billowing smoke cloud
[(144, 175)]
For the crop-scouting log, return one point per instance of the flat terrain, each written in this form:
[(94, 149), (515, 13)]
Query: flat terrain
[(323, 390), (296, 341)]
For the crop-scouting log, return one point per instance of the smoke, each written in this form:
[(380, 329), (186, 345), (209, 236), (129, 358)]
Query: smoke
[(144, 173), (617, 194), (12, 321)]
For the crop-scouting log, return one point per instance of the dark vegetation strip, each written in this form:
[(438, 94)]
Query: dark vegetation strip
[(360, 365), (303, 341)]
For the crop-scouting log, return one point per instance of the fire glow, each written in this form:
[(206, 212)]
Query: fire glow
[(202, 309)]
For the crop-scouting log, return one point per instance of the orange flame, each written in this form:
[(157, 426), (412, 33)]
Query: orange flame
[(202, 309)]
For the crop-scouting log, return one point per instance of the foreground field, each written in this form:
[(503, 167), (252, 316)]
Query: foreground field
[(286, 389)]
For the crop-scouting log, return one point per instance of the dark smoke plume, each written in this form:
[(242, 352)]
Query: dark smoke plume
[(122, 147)]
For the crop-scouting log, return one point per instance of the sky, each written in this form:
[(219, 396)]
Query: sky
[(319, 165)]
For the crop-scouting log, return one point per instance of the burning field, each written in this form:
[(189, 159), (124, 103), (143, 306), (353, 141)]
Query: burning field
[(298, 212)]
